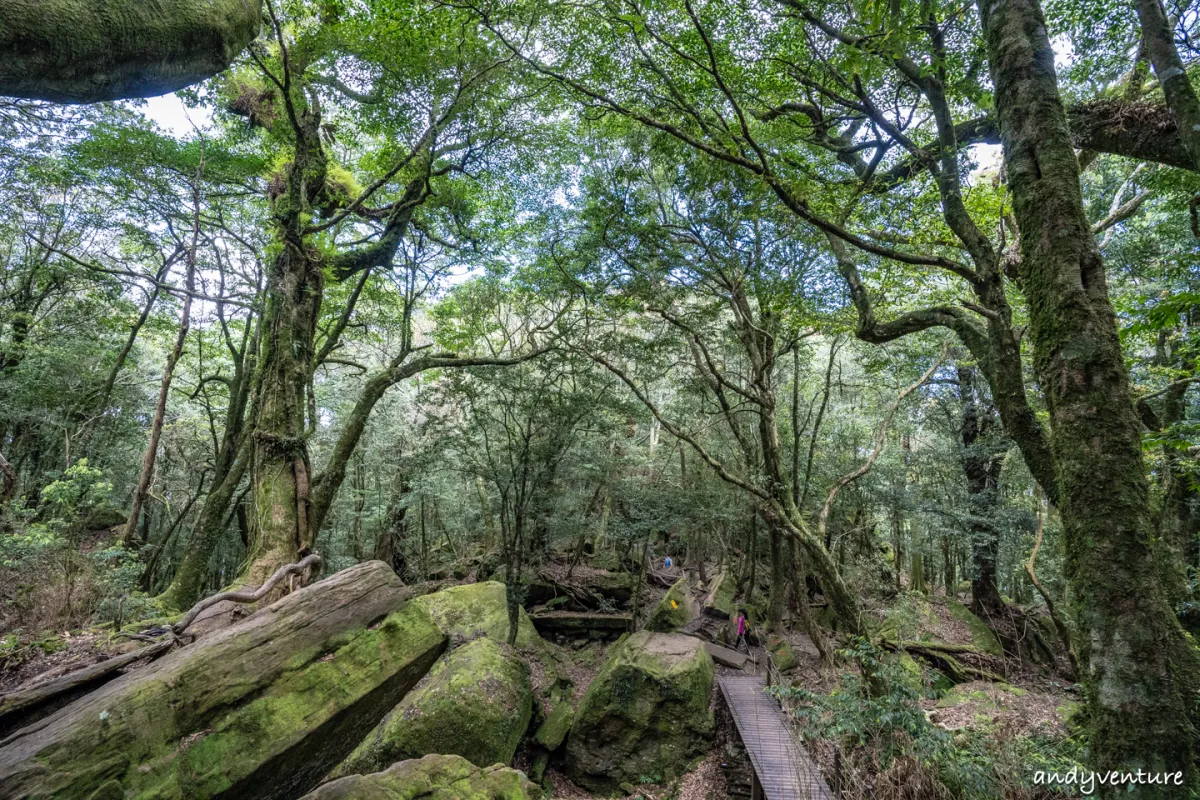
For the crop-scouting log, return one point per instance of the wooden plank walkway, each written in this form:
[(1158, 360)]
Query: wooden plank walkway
[(784, 768)]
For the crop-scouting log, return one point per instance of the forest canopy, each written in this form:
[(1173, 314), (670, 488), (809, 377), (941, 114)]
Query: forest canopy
[(855, 306)]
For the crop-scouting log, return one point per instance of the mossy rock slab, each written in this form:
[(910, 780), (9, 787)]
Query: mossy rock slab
[(782, 653), (645, 715), (477, 609), (259, 710), (475, 703), (553, 730), (910, 618), (434, 777), (981, 635), (719, 600), (676, 609)]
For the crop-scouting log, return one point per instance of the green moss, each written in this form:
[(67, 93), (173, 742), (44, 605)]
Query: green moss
[(477, 609), (913, 675), (720, 594), (315, 683), (675, 610), (434, 777), (475, 703), (205, 723), (781, 651), (981, 635), (553, 731), (645, 715)]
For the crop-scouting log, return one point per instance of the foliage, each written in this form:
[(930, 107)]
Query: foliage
[(879, 728)]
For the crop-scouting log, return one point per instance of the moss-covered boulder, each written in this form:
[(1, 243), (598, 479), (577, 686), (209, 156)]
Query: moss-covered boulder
[(676, 609), (910, 618), (553, 730), (477, 609), (434, 777), (260, 710), (475, 703), (981, 635), (719, 600), (645, 715), (782, 653)]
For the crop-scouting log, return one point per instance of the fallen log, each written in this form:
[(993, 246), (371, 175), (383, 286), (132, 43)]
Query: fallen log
[(27, 705), (583, 623)]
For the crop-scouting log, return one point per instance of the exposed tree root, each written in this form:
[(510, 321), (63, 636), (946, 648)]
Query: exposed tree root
[(246, 595), (944, 658)]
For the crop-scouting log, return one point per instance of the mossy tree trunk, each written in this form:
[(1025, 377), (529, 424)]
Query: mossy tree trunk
[(982, 462), (1139, 672), (280, 468)]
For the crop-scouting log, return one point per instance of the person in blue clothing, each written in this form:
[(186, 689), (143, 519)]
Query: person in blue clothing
[(667, 563)]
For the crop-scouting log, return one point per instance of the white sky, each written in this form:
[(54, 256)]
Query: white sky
[(169, 112)]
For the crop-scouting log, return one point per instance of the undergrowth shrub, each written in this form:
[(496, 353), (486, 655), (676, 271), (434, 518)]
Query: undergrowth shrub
[(890, 750), (59, 568)]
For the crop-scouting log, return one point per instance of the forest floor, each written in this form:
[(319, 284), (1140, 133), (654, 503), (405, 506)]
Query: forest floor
[(28, 663), (1033, 702)]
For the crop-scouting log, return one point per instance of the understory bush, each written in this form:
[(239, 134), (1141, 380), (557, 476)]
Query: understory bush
[(890, 749), (60, 567)]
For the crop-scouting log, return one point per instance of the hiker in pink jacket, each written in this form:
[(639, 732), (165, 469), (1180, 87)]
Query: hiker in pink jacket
[(741, 632)]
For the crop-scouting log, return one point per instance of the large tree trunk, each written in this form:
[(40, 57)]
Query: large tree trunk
[(1139, 672), (982, 461), (281, 470)]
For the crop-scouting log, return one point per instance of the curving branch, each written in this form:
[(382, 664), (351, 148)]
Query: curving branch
[(246, 596)]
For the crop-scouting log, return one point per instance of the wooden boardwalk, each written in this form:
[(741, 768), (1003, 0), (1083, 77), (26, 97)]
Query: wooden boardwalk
[(782, 766)]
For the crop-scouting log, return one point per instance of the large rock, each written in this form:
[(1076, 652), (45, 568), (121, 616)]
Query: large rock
[(981, 635), (475, 703), (260, 710), (676, 609), (645, 715), (434, 777), (477, 609), (719, 600), (782, 653)]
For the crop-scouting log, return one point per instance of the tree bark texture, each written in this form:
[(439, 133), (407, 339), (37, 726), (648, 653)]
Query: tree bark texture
[(1139, 673)]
